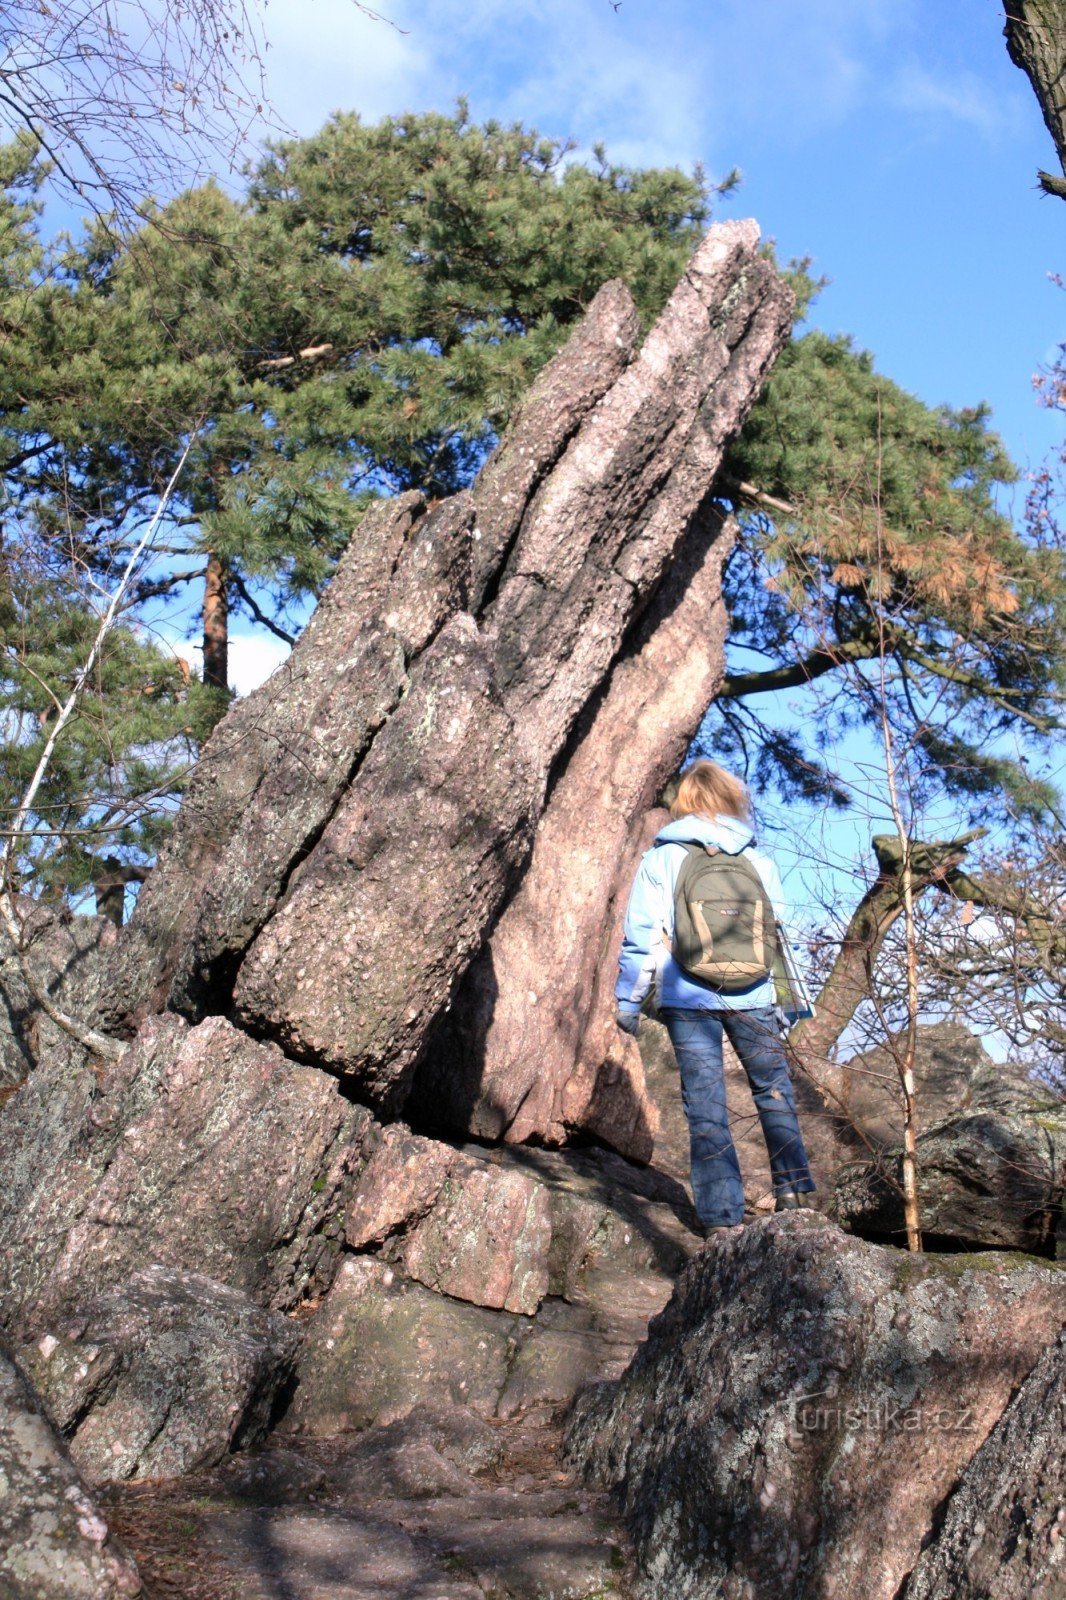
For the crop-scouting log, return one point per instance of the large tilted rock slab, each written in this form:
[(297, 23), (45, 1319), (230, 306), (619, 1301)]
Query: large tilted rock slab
[(495, 618), (804, 1405), (529, 1049), (161, 1376), (447, 799), (54, 1541), (395, 898), (993, 1176), (267, 780), (1003, 1535), (199, 1149), (276, 767)]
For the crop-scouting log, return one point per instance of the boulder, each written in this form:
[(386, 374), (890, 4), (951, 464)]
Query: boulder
[(54, 1541), (992, 1177), (470, 1229), (953, 1073), (804, 1405), (379, 1345), (1003, 1534), (607, 1239), (504, 1228), (199, 1149), (162, 1376)]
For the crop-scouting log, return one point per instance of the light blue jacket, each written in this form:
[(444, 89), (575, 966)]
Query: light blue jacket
[(645, 961)]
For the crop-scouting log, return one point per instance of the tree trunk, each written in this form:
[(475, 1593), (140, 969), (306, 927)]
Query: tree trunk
[(216, 624), (1035, 31)]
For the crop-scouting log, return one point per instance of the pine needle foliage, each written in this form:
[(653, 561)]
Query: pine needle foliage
[(877, 535)]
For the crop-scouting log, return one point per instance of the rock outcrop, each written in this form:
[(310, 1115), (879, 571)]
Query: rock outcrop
[(993, 1176), (162, 1376), (391, 1336), (953, 1074), (528, 1048), (1003, 1534), (199, 1150), (54, 1541), (393, 772), (470, 1230), (804, 1405)]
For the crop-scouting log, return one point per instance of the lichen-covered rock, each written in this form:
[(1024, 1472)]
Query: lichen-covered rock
[(398, 1185), (505, 1228), (356, 964), (199, 1149), (162, 1376), (529, 1049), (803, 1406), (486, 1239), (993, 1177), (380, 921), (1003, 1535), (54, 1541), (380, 1345), (272, 770)]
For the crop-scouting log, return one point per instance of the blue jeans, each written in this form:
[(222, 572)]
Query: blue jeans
[(697, 1040)]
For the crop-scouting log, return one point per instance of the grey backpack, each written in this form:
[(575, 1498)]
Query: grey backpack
[(724, 929)]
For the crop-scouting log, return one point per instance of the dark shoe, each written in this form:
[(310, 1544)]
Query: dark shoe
[(711, 1230), (789, 1200)]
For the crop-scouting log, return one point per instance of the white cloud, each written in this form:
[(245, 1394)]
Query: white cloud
[(962, 97), (326, 55), (670, 82)]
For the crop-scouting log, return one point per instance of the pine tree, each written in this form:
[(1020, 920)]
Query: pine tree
[(363, 324), (874, 551)]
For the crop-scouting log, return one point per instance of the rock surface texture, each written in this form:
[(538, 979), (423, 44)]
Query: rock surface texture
[(199, 1150), (163, 1376), (529, 1049), (804, 1405), (1003, 1535), (54, 1541)]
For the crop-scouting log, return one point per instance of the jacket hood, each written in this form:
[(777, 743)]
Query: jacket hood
[(728, 833)]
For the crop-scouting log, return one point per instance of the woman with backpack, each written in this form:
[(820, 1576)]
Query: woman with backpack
[(699, 934)]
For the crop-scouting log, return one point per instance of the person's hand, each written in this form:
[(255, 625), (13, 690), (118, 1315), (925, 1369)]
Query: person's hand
[(628, 1020)]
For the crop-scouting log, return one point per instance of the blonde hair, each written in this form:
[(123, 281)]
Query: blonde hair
[(707, 790)]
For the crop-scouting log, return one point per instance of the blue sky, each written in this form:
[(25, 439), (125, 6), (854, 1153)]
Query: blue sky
[(891, 140)]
